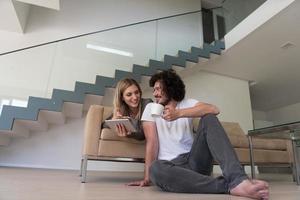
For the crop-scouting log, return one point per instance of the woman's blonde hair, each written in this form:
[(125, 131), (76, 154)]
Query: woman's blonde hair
[(119, 103)]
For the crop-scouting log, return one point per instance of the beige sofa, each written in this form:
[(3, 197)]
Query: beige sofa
[(105, 145)]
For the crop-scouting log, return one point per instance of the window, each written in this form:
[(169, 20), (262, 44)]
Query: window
[(13, 102)]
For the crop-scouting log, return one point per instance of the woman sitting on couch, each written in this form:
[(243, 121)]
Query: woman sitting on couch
[(128, 102)]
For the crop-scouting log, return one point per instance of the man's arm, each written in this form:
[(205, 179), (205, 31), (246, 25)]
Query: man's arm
[(199, 110), (151, 151), (151, 146)]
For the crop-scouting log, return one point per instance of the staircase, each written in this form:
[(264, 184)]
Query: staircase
[(40, 112)]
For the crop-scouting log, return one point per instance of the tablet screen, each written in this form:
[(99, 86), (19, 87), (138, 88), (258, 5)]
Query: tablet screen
[(112, 123)]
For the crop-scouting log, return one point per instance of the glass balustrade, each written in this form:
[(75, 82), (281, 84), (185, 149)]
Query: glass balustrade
[(37, 71)]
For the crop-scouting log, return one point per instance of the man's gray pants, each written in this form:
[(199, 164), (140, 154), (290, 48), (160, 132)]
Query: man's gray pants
[(191, 172)]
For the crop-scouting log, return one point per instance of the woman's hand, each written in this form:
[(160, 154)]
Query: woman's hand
[(117, 114), (122, 131)]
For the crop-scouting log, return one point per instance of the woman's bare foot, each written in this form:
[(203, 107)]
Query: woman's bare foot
[(255, 189)]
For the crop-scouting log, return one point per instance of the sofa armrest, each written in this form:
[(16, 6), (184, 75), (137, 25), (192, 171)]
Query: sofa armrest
[(92, 130)]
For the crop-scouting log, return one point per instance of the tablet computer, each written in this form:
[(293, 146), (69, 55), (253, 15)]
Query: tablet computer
[(112, 123)]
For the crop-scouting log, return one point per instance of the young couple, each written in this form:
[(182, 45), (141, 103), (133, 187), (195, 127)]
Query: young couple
[(176, 161)]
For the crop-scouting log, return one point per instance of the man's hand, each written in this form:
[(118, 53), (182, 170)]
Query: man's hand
[(142, 183), (170, 113)]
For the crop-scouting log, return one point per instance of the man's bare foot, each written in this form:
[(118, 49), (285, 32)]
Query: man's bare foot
[(255, 189)]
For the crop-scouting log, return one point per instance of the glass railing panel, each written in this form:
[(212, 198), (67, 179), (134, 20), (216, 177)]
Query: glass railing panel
[(100, 54), (37, 71), (26, 73), (179, 33)]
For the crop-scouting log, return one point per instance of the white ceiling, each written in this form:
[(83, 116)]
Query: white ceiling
[(260, 58), (52, 4), (15, 12)]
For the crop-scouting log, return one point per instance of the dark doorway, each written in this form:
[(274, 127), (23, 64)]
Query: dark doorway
[(221, 27), (208, 26)]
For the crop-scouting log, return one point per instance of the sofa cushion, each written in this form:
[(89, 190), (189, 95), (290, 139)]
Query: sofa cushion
[(108, 134), (107, 112), (263, 156), (275, 144), (238, 141), (233, 129), (121, 149), (258, 143)]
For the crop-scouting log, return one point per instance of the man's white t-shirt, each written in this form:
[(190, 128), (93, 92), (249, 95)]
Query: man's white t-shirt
[(175, 137)]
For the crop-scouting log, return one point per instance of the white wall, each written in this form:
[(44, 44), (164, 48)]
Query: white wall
[(60, 147), (262, 124), (259, 115), (230, 95), (260, 119), (287, 114), (26, 74)]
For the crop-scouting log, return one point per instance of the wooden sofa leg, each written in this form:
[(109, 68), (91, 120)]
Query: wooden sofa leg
[(83, 169)]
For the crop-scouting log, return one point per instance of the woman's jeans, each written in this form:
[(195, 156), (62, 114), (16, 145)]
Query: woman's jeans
[(190, 172)]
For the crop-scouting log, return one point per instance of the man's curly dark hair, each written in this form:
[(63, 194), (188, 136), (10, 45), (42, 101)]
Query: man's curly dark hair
[(172, 84)]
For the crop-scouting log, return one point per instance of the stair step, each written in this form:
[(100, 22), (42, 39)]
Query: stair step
[(39, 125), (212, 48), (219, 44), (103, 81), (174, 61), (119, 75), (39, 103), (158, 65), (72, 110), (60, 96), (9, 113), (188, 56), (91, 99), (88, 88), (143, 70), (145, 82), (19, 130), (108, 97), (53, 117)]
